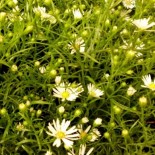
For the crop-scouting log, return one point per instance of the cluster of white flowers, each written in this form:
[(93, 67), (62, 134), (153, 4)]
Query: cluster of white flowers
[(66, 91), (71, 91), (62, 132)]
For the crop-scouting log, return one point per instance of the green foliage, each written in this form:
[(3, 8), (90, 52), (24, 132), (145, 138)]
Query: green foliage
[(100, 45)]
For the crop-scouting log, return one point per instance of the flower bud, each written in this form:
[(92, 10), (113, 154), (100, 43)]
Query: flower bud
[(97, 122), (112, 124), (125, 133), (130, 91), (28, 103), (47, 2), (123, 84), (22, 107), (61, 69), (125, 32), (3, 111), (107, 135), (107, 22), (114, 29), (77, 112), (1, 38), (61, 110), (37, 64), (14, 68), (143, 101), (39, 112), (117, 110), (53, 72), (42, 69), (25, 97), (84, 33), (57, 80), (84, 120), (12, 3), (130, 72), (25, 123), (2, 16), (130, 54)]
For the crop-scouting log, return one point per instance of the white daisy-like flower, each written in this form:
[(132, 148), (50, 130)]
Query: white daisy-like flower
[(93, 91), (44, 16), (143, 24), (78, 45), (66, 92), (82, 151), (83, 133), (129, 4), (77, 14), (48, 153), (61, 132), (131, 91), (92, 135), (148, 82)]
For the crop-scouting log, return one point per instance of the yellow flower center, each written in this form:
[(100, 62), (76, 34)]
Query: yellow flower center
[(65, 94), (128, 2), (83, 134), (152, 86), (92, 93), (60, 134), (77, 46)]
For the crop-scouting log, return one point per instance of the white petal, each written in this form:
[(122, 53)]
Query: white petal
[(57, 142), (67, 142)]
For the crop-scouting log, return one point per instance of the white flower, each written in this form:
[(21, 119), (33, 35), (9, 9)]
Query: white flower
[(48, 153), (83, 133), (77, 14), (129, 4), (148, 82), (93, 91), (66, 92), (143, 23), (87, 134), (42, 12), (60, 132), (78, 45), (131, 91), (82, 151)]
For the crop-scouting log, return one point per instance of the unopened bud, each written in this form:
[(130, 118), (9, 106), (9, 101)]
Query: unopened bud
[(143, 101)]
